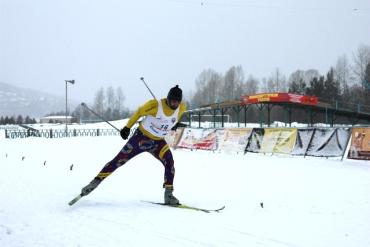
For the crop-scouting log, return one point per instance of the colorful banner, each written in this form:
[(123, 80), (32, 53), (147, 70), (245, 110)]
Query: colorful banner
[(278, 140), (279, 97), (204, 139), (173, 137), (360, 144), (233, 140)]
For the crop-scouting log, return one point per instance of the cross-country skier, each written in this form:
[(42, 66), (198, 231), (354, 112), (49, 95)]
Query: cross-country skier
[(160, 116)]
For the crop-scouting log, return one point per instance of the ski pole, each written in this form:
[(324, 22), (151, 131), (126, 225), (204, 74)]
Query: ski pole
[(84, 105), (142, 78)]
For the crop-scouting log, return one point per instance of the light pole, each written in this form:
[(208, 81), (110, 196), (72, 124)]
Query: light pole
[(72, 82)]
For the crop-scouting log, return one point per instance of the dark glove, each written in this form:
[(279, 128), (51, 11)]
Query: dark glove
[(178, 125), (125, 132)]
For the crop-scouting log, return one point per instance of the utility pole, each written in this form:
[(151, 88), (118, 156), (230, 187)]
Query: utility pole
[(72, 82)]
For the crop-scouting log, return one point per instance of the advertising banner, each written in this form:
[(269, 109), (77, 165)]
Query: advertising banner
[(360, 144), (204, 139), (255, 140), (278, 140), (233, 140), (279, 97), (304, 137), (173, 137), (328, 142)]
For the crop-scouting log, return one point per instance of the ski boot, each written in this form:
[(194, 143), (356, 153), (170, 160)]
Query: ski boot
[(169, 198), (90, 187)]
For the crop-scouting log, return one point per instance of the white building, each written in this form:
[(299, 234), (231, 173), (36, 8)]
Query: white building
[(58, 119)]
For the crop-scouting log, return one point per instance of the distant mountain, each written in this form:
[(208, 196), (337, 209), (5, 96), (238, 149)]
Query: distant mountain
[(27, 102)]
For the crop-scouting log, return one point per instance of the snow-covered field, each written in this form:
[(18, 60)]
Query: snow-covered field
[(307, 202)]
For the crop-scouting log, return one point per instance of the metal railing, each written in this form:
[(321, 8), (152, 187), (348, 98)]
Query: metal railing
[(348, 106)]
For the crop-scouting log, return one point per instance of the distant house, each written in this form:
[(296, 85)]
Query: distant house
[(58, 119)]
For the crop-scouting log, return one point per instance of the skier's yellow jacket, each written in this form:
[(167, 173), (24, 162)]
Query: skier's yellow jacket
[(151, 108)]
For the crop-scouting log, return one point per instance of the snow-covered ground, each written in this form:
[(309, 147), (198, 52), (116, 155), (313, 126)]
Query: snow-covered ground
[(308, 202), (119, 124)]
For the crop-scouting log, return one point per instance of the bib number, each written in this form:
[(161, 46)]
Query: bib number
[(164, 127)]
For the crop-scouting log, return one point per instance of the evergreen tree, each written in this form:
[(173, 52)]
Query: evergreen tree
[(81, 113), (297, 83), (367, 76), (316, 87), (331, 87), (27, 120), (367, 85), (108, 114), (12, 120), (19, 119)]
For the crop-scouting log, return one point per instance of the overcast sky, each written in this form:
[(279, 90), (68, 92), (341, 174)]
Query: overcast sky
[(115, 42)]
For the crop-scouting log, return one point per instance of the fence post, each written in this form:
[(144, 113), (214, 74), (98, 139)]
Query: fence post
[(308, 146), (51, 133), (74, 132), (97, 132)]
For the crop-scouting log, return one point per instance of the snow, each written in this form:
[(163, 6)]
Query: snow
[(307, 202), (119, 124)]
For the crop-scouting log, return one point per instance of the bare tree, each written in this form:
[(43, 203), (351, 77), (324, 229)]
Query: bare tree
[(109, 103), (297, 82), (250, 86), (110, 97), (120, 99), (266, 85), (233, 81), (213, 89), (276, 82), (99, 101), (310, 74), (279, 81), (208, 87), (361, 58), (342, 73)]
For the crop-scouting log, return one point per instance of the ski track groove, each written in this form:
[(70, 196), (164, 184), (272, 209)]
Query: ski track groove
[(7, 229)]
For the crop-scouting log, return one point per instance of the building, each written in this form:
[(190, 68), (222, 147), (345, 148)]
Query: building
[(59, 119)]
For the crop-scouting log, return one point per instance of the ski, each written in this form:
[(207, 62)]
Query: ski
[(184, 206), (75, 200)]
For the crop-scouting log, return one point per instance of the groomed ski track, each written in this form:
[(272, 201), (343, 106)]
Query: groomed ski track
[(307, 202)]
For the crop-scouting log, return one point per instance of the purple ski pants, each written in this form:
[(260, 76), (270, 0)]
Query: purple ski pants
[(137, 144)]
